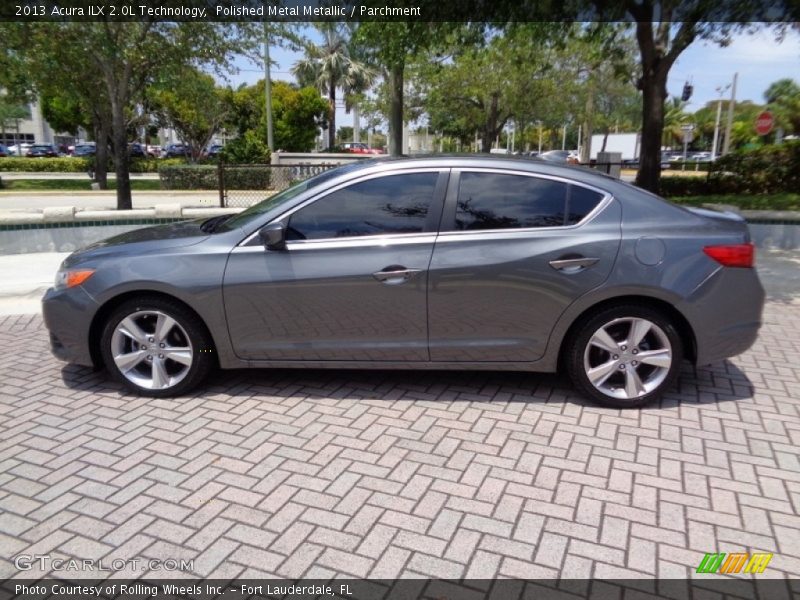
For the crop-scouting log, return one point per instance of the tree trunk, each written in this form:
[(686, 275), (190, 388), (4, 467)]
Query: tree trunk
[(588, 123), (654, 93), (490, 128), (332, 115), (101, 132), (396, 110), (120, 146)]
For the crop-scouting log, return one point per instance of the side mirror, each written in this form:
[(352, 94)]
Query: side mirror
[(273, 236)]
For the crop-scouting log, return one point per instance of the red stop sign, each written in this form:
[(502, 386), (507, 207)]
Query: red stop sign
[(764, 123)]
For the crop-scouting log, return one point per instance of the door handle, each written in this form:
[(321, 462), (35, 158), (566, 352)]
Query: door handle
[(573, 265), (394, 274)]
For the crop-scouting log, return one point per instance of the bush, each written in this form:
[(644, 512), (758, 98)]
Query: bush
[(188, 177), (253, 177), (44, 165), (246, 149), (674, 186), (79, 165), (766, 170)]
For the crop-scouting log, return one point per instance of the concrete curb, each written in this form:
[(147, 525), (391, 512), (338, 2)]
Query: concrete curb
[(69, 214)]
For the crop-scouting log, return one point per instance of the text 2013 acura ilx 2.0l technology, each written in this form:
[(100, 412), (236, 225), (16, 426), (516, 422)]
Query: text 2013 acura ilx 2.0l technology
[(430, 263)]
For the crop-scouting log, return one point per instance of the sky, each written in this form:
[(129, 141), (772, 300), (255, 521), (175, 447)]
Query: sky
[(758, 59)]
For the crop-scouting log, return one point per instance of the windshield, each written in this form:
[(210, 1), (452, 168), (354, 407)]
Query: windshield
[(289, 193)]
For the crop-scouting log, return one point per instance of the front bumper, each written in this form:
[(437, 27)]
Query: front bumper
[(68, 317)]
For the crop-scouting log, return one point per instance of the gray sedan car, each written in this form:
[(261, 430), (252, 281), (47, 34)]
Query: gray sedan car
[(431, 263)]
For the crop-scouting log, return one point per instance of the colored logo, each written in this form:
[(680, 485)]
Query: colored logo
[(734, 563)]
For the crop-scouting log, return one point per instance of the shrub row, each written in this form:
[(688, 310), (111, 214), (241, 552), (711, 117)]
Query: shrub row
[(206, 177), (766, 170), (78, 165)]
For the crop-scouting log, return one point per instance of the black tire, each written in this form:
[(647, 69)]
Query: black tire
[(584, 331), (190, 326)]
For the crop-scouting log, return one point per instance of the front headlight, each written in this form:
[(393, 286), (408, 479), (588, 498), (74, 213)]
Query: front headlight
[(67, 278)]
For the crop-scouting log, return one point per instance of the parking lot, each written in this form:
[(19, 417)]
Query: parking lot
[(403, 474)]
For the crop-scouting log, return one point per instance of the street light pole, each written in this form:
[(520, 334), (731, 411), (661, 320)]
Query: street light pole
[(540, 136), (268, 89)]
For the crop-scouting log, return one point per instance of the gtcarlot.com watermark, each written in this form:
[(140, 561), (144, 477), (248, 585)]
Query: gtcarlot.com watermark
[(45, 562)]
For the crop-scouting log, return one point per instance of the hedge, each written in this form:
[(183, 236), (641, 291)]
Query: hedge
[(206, 177), (78, 165), (767, 170)]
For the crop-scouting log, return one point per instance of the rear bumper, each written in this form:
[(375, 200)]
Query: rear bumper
[(725, 313), (68, 317)]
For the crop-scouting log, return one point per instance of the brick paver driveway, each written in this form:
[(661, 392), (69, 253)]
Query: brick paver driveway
[(377, 474)]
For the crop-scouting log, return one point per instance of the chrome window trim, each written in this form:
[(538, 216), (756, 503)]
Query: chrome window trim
[(288, 214), (396, 239), (604, 201)]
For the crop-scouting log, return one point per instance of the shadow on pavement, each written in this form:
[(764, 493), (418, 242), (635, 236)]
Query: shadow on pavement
[(718, 382)]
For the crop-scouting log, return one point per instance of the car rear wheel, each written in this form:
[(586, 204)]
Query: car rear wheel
[(625, 357), (156, 347)]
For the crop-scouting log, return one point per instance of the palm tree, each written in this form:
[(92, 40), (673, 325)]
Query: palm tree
[(331, 65), (674, 117)]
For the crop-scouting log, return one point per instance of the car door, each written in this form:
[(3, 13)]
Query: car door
[(515, 250), (351, 283)]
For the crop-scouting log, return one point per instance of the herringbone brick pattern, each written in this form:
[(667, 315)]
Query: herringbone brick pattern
[(376, 474)]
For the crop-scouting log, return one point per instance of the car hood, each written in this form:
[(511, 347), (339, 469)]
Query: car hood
[(145, 240)]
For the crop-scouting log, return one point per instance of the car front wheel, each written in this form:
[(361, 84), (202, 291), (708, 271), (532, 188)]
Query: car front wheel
[(625, 357), (156, 347)]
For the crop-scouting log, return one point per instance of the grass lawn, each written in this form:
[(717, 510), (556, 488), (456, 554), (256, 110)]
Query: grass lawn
[(72, 185), (785, 201)]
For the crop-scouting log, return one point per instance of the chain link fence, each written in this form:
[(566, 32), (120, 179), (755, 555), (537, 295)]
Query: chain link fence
[(245, 185)]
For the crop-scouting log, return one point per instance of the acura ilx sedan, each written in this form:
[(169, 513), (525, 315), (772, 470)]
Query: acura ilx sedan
[(430, 263)]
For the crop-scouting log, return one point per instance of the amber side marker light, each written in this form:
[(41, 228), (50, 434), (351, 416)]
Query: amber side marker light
[(735, 255), (69, 279)]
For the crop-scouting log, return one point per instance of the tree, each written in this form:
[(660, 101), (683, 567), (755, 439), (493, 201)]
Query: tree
[(664, 29), (10, 112), (783, 97), (391, 45), (121, 59), (331, 65), (298, 114), (193, 105)]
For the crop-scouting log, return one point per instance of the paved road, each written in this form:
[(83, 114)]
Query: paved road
[(382, 474)]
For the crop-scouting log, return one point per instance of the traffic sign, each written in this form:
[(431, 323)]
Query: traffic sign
[(764, 123), (688, 127)]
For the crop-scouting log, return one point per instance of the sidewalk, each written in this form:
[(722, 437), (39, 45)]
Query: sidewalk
[(25, 278), (35, 201)]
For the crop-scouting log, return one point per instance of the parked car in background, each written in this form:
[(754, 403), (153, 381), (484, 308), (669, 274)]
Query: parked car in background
[(176, 151), (358, 148), (137, 150), (154, 151), (19, 149), (701, 157), (560, 156), (441, 262), (214, 150), (85, 149), (42, 151), (3, 151)]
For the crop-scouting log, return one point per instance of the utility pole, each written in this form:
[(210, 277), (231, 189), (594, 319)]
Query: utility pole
[(564, 138), (715, 146), (726, 147), (268, 89)]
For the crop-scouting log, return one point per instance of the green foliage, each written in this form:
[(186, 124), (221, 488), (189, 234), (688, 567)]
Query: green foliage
[(189, 177), (297, 115), (191, 104), (248, 148), (765, 170), (77, 165), (206, 177)]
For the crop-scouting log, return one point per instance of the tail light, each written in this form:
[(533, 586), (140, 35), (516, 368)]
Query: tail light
[(735, 255)]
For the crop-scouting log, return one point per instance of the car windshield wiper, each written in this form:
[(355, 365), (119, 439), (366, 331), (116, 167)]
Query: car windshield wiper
[(210, 225)]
